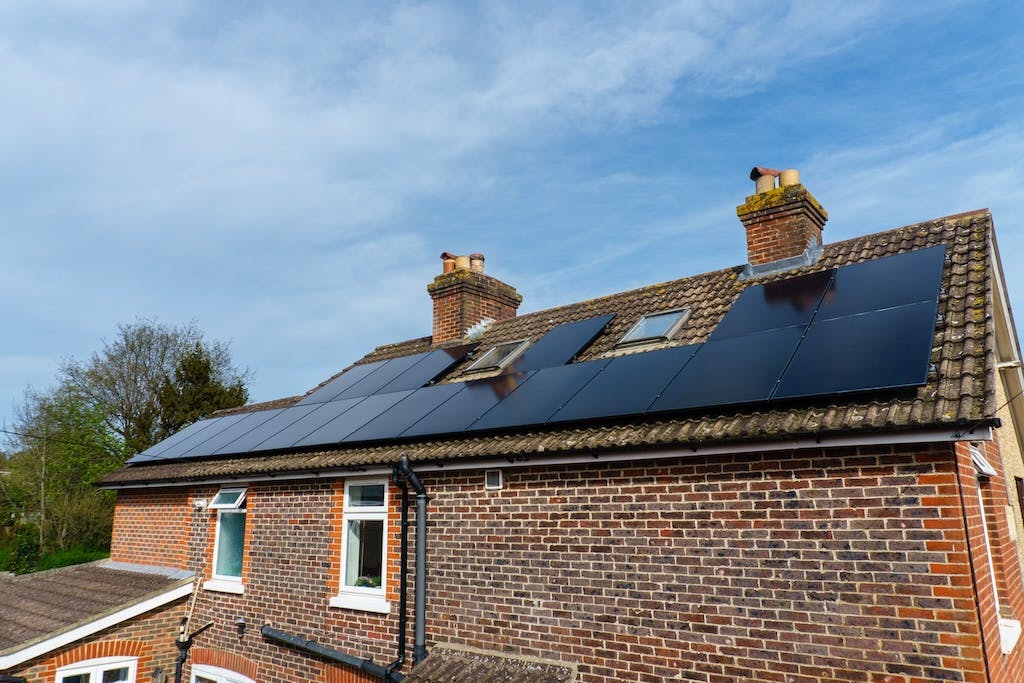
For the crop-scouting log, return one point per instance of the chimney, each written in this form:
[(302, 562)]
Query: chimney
[(464, 296), (783, 223)]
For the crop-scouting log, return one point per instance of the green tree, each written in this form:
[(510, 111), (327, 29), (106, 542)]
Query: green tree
[(126, 379)]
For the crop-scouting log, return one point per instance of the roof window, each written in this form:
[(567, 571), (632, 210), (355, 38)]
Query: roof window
[(499, 356), (655, 327)]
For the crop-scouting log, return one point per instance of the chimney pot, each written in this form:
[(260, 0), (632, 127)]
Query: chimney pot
[(461, 263), (790, 176), (463, 296), (447, 262), (476, 263)]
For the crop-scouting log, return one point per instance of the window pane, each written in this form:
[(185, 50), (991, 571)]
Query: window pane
[(364, 553), (497, 356), (77, 678), (204, 679), (653, 326), (227, 498), (368, 495), (116, 675), (230, 537)]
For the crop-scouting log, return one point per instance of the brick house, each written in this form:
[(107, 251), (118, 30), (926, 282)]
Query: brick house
[(800, 469)]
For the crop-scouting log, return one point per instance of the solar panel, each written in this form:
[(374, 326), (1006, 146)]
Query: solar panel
[(884, 349), (390, 370), (352, 419), (154, 452), (730, 371), (342, 382), (430, 367), (537, 399), (185, 446), (462, 409), (627, 385), (405, 413), (257, 435), (308, 423), (884, 283), (226, 436), (782, 303), (560, 344)]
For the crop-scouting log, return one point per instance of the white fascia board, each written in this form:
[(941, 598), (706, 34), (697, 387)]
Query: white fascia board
[(42, 647), (534, 459)]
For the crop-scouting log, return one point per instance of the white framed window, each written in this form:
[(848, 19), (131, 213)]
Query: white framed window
[(655, 327), (201, 673), (364, 547), (102, 670), (497, 357), (229, 541)]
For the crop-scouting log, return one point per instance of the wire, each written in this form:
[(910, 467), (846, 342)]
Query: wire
[(27, 435)]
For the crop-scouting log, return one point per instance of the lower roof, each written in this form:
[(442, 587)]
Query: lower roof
[(460, 664)]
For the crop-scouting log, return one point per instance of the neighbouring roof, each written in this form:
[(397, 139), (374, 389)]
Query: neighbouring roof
[(961, 393), (457, 664), (39, 606)]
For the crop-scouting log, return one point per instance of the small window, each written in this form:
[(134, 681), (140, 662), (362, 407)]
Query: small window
[(104, 670), (493, 480), (364, 547), (655, 327), (229, 541), (499, 356), (228, 499)]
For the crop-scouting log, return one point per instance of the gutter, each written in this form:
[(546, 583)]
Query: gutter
[(315, 648), (12, 679)]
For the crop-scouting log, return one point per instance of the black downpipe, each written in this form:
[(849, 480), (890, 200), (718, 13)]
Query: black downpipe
[(4, 678), (184, 644), (313, 647), (403, 579), (419, 650)]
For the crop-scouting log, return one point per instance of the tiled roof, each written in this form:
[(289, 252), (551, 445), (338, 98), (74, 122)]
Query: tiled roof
[(961, 393), (454, 664), (41, 605)]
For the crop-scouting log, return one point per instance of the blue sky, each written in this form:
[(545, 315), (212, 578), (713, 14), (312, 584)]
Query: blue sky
[(286, 174)]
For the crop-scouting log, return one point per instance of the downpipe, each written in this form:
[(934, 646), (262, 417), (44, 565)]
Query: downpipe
[(419, 650)]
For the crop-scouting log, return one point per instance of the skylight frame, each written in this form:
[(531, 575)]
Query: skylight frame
[(682, 313), (486, 362)]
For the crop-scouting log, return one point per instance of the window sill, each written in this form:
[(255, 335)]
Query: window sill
[(364, 603), (1009, 634), (224, 586)]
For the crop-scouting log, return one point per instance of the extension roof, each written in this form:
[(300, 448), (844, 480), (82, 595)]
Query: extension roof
[(958, 395), (458, 664)]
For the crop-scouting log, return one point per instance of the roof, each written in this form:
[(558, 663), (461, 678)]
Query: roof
[(961, 393), (39, 606), (457, 664)]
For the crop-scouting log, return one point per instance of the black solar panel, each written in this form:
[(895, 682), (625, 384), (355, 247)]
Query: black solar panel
[(560, 345), (227, 436), (352, 419), (884, 283), (627, 385), (430, 367), (389, 371), (307, 424), (734, 370), (783, 303), (344, 381), (538, 398), (257, 435), (462, 409), (884, 349), (405, 413), (155, 451), (188, 445)]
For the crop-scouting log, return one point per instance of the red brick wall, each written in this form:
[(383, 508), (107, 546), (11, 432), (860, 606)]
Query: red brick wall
[(832, 565), (781, 223), (463, 298), (151, 527), (150, 637)]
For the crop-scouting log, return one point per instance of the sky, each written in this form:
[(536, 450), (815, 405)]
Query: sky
[(286, 175)]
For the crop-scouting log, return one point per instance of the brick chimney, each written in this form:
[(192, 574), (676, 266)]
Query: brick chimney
[(464, 296), (783, 223)]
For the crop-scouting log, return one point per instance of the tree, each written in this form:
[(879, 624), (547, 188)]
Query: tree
[(148, 363)]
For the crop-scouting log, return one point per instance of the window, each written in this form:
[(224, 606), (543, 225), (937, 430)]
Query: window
[(105, 670), (201, 673), (655, 327), (229, 544), (499, 356), (364, 547)]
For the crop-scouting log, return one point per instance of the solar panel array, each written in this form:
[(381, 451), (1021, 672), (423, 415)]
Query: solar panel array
[(862, 327)]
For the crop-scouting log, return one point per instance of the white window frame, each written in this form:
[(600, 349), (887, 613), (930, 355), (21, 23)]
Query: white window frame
[(479, 365), (218, 674), (363, 598), (227, 583), (94, 668), (684, 315)]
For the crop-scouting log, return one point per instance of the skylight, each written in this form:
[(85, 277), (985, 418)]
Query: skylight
[(499, 356), (655, 327)]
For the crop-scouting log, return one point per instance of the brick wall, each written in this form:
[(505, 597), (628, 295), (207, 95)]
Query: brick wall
[(837, 565), (150, 637), (781, 223), (463, 298), (151, 527)]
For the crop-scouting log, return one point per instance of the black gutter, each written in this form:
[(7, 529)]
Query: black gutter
[(419, 650), (403, 579), (315, 648), (4, 678)]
